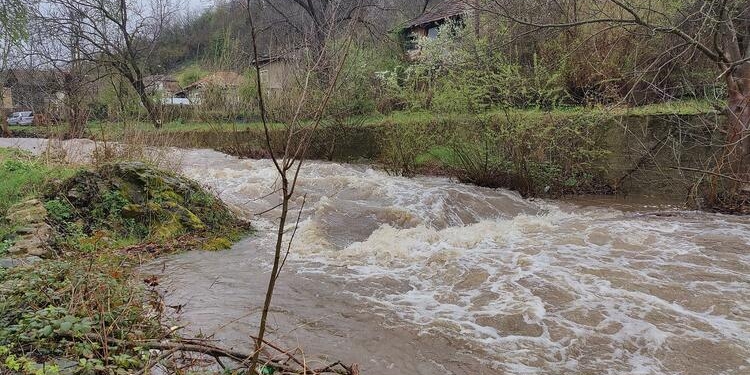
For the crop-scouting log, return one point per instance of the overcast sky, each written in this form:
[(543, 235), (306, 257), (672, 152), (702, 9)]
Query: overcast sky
[(195, 5)]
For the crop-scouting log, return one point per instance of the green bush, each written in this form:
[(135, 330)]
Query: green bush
[(49, 312), (190, 75), (532, 152), (59, 210), (458, 72)]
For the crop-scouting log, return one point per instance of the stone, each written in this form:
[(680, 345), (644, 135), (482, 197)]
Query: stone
[(25, 204), (34, 234), (39, 251), (31, 214), (17, 262)]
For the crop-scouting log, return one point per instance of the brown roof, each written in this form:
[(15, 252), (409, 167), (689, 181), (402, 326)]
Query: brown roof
[(30, 77), (440, 11), (169, 82)]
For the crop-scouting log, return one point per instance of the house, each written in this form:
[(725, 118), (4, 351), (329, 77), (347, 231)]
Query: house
[(31, 89), (161, 85), (428, 23), (222, 86), (276, 72)]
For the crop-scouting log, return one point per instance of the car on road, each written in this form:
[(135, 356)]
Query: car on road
[(21, 118)]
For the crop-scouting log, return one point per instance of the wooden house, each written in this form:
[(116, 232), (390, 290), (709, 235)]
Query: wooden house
[(428, 23)]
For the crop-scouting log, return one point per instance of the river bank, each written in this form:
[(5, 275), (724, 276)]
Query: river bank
[(72, 239)]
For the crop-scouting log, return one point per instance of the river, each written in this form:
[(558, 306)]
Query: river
[(429, 276)]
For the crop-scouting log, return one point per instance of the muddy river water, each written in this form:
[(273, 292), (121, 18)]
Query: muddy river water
[(429, 276)]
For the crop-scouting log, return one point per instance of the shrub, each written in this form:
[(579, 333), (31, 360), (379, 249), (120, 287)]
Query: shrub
[(460, 72)]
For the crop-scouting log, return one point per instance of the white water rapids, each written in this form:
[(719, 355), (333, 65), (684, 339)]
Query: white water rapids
[(428, 276)]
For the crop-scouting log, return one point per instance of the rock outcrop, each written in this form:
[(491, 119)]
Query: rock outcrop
[(33, 234), (134, 199)]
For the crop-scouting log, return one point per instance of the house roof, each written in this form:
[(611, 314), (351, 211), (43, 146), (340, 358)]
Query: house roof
[(221, 79), (170, 83), (440, 11), (30, 77)]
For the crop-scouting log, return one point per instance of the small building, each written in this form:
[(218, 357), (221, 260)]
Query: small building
[(428, 23), (161, 85), (31, 89), (276, 72), (222, 86)]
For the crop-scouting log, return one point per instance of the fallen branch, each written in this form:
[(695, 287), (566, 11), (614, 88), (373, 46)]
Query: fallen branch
[(176, 345), (721, 175)]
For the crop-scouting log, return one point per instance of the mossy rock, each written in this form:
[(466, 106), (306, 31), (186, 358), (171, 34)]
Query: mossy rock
[(135, 199), (218, 243)]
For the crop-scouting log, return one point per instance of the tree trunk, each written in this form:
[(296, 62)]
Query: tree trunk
[(4, 125), (151, 109), (76, 115), (76, 121), (738, 132)]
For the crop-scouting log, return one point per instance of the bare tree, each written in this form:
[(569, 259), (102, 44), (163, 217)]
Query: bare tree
[(59, 53), (718, 30), (288, 162), (117, 34), (318, 20)]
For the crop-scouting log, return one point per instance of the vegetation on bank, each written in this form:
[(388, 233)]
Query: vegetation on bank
[(534, 151), (115, 130), (85, 310)]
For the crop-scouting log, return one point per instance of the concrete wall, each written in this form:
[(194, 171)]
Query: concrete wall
[(654, 155)]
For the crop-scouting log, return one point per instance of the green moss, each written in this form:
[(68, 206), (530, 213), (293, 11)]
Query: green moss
[(167, 229), (133, 200), (218, 243)]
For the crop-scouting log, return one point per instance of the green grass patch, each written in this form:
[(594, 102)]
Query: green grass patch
[(190, 74), (120, 130), (442, 155), (23, 176), (678, 107)]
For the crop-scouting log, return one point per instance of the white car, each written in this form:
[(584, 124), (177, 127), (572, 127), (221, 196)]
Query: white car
[(21, 118)]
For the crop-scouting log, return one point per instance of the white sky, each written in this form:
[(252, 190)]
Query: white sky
[(196, 5)]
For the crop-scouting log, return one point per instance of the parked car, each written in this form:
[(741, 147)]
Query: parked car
[(21, 118)]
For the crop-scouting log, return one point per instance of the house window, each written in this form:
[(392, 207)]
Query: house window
[(432, 32)]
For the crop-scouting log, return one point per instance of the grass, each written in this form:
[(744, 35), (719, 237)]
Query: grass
[(680, 107), (190, 74), (117, 130), (23, 176)]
